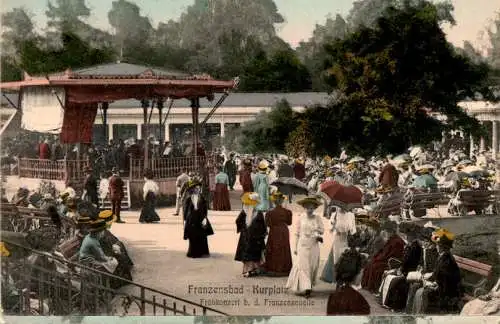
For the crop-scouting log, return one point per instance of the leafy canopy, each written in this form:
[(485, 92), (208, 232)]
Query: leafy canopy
[(391, 76)]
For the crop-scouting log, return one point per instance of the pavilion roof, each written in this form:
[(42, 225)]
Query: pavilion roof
[(119, 75)]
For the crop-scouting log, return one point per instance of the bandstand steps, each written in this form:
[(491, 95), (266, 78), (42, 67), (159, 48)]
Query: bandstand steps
[(126, 198)]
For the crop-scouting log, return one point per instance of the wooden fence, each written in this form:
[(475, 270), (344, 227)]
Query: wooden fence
[(164, 168), (51, 170)]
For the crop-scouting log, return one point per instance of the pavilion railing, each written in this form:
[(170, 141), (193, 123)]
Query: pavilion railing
[(54, 286), (51, 170), (164, 168)]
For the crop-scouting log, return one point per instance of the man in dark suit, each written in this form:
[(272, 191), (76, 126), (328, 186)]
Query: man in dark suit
[(285, 170), (230, 169), (116, 193), (90, 186)]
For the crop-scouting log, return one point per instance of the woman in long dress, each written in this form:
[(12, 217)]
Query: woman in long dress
[(221, 192), (343, 223), (309, 233), (252, 228), (261, 186), (150, 191), (195, 211), (278, 254)]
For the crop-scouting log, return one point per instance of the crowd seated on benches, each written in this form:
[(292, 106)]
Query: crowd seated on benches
[(90, 243), (410, 268)]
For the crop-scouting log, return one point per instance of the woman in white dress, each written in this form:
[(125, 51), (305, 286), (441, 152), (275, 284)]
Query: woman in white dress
[(343, 223), (309, 233), (485, 305)]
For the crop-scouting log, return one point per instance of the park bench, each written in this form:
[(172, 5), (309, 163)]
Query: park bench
[(478, 270), (419, 202), (476, 200), (10, 217), (390, 205)]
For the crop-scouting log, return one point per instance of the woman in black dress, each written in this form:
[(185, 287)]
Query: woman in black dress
[(150, 191), (196, 226)]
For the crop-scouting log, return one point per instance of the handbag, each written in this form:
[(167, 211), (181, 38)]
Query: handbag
[(207, 228)]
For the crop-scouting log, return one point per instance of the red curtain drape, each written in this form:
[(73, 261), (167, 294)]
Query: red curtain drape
[(78, 122)]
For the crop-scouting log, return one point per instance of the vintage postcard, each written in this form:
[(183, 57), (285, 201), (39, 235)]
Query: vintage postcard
[(266, 158)]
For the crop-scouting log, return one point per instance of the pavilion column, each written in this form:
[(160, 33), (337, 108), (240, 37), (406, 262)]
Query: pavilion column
[(222, 130), (145, 106), (159, 105), (104, 108), (471, 147), (482, 145), (494, 139), (195, 112)]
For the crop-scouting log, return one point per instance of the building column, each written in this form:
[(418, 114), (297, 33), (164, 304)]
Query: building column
[(110, 131), (482, 145), (139, 131), (222, 130), (494, 140), (167, 132), (471, 147)]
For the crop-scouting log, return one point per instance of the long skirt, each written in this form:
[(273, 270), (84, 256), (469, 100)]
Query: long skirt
[(198, 247), (148, 213), (221, 198), (305, 269), (338, 247)]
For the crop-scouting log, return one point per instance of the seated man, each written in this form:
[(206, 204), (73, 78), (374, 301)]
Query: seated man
[(441, 292), (394, 287)]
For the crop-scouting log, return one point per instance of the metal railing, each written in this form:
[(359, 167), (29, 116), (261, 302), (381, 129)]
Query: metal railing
[(45, 284), (164, 168)]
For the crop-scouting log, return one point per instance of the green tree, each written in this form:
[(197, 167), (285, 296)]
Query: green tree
[(270, 130), (130, 38), (312, 52), (75, 53), (390, 76), (299, 141), (282, 72)]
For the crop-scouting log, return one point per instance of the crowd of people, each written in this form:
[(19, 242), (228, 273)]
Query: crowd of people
[(408, 267)]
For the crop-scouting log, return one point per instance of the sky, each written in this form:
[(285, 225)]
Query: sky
[(472, 16)]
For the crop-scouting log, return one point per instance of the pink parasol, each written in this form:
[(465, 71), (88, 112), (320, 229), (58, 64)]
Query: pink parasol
[(340, 194)]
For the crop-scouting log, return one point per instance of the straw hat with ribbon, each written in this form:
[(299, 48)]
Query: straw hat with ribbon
[(383, 189), (107, 216), (3, 250), (194, 183), (299, 161), (277, 195), (97, 225), (310, 201), (443, 237), (263, 165), (250, 199)]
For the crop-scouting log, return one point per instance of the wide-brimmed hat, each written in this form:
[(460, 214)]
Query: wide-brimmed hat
[(443, 237), (250, 198), (263, 165), (247, 162), (107, 216), (87, 209), (299, 161), (277, 195), (194, 183), (384, 189), (3, 250), (309, 201), (97, 225), (367, 220)]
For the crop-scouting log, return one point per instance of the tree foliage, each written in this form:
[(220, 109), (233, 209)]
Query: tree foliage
[(390, 76), (270, 130)]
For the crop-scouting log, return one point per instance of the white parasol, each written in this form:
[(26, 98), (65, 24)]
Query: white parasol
[(356, 159)]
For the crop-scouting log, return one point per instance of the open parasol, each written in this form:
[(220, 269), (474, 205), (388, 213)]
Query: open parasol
[(425, 181), (346, 197), (476, 171), (455, 176), (401, 159), (288, 185), (356, 159)]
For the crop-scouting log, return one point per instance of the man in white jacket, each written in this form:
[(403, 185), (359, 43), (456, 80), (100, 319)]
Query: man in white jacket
[(181, 181)]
